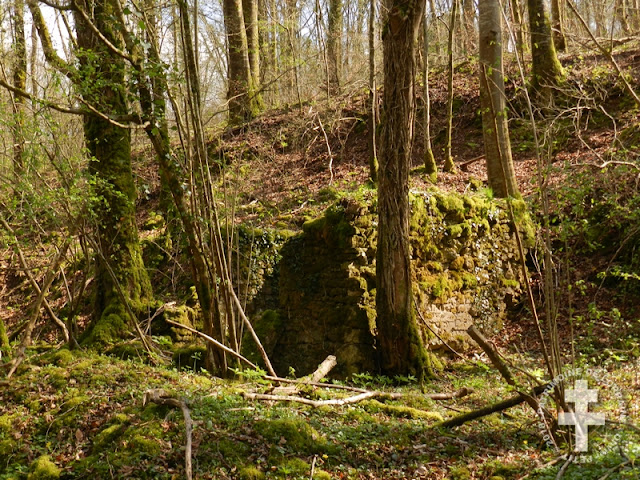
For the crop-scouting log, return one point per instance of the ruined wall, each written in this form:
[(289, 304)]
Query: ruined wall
[(320, 293)]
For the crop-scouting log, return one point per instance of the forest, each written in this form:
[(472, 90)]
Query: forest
[(316, 239)]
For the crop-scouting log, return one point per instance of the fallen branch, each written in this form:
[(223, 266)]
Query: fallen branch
[(349, 400), (322, 371), (497, 407), (500, 364), (320, 403), (159, 397)]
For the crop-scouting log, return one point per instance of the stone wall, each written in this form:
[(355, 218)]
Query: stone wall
[(318, 297)]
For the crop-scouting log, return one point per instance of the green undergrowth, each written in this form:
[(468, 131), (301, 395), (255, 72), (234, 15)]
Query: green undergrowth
[(74, 415)]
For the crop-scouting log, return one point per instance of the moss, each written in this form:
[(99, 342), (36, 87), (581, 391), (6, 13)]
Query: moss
[(55, 376), (459, 473), (128, 350), (148, 447), (107, 436), (6, 423), (62, 357), (43, 469), (402, 411), (509, 283), (250, 473), (469, 280), (475, 184), (457, 264), (300, 437), (110, 327), (321, 474), (6, 448), (294, 467), (459, 230), (233, 451), (190, 357)]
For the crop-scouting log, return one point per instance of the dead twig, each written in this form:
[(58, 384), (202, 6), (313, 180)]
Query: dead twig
[(159, 397)]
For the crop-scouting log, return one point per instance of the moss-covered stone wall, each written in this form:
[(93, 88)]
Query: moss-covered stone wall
[(317, 297)]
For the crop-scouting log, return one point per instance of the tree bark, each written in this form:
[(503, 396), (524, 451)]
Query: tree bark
[(493, 105), (334, 45), (469, 21), (252, 25), (19, 81), (516, 17), (429, 160), (557, 14), (401, 345), (240, 81), (102, 75), (373, 96), (449, 165), (546, 71)]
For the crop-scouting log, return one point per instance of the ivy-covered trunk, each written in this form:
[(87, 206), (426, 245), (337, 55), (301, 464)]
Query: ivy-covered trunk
[(120, 273), (399, 341)]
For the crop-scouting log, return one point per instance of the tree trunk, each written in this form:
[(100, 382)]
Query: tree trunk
[(557, 14), (19, 81), (516, 18), (546, 71), (492, 102), (429, 160), (250, 11), (449, 165), (334, 45), (436, 27), (373, 95), (114, 194), (240, 82), (400, 343), (469, 22), (622, 8)]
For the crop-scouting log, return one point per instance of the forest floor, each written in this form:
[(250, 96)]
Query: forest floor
[(81, 415)]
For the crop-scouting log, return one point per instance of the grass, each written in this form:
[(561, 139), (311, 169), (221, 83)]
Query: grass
[(83, 415)]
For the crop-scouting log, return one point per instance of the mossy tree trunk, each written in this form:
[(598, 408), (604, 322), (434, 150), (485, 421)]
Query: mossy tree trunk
[(546, 71), (495, 130), (19, 81), (113, 191), (400, 344)]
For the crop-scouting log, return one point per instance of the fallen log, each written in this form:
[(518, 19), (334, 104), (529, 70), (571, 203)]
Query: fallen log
[(497, 407)]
